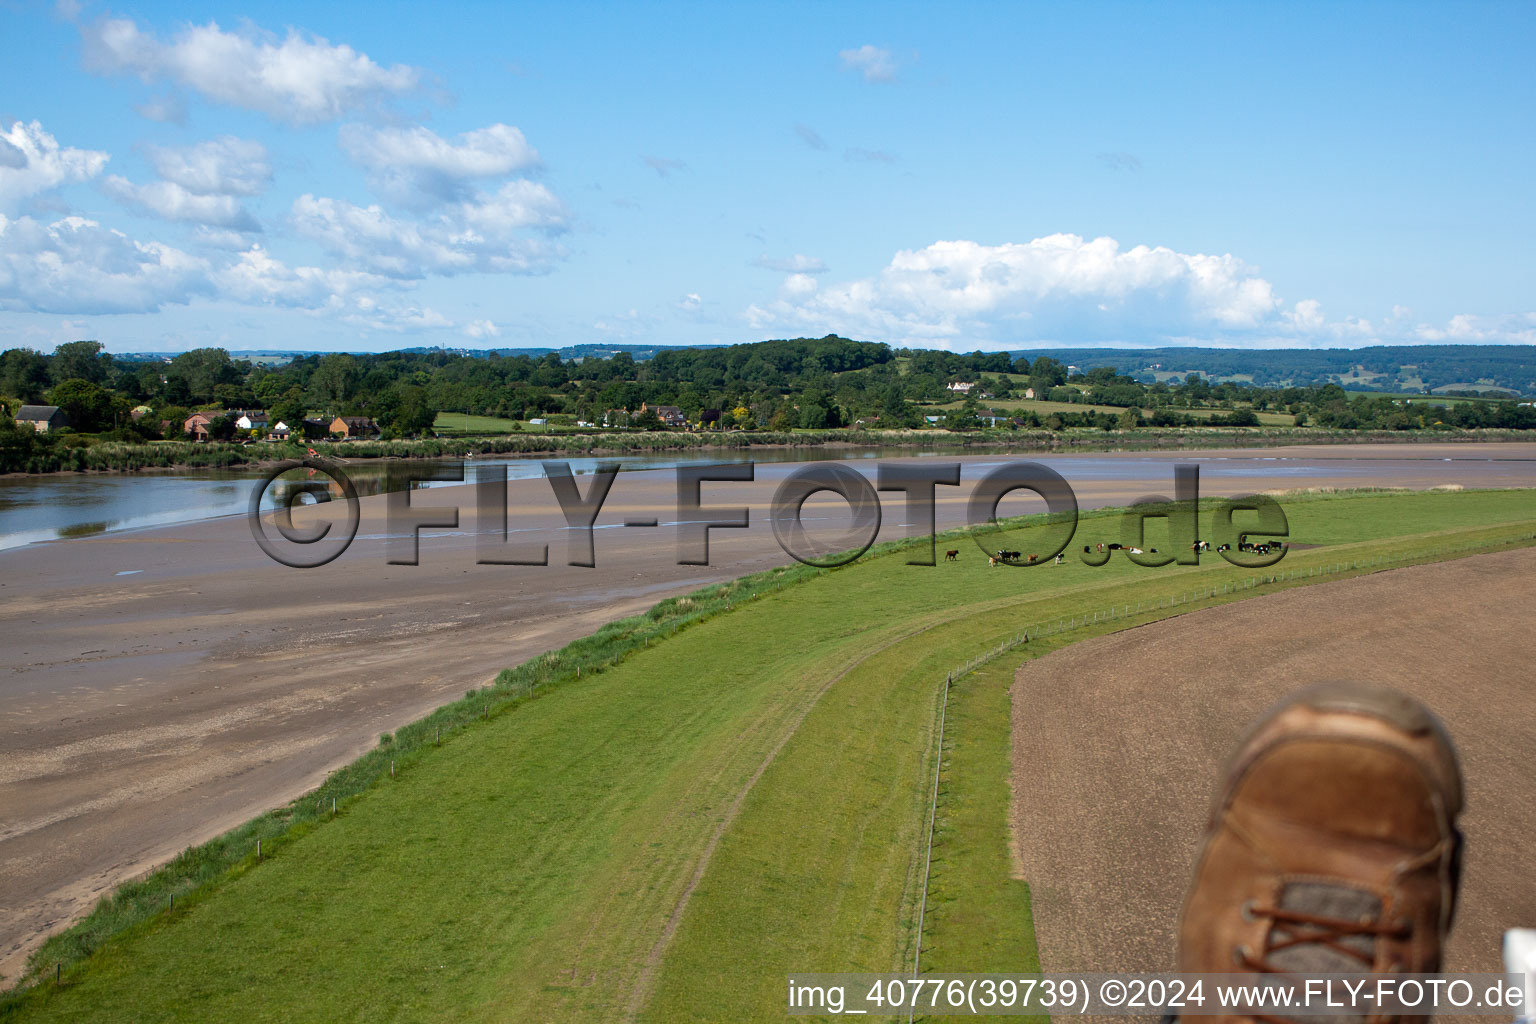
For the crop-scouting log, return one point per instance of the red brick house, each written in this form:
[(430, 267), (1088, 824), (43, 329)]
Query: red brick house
[(354, 426), (197, 424)]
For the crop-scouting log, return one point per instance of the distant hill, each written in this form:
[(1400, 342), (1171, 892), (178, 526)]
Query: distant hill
[(1488, 370), (1485, 369), (584, 351)]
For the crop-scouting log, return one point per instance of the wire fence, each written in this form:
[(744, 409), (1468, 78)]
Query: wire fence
[(1117, 612)]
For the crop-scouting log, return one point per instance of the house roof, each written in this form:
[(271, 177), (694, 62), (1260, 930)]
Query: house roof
[(37, 412)]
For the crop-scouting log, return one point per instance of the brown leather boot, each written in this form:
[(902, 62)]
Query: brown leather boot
[(1332, 847)]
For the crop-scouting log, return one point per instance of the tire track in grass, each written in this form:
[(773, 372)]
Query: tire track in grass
[(644, 984)]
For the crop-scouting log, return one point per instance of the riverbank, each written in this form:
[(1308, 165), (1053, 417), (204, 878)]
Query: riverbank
[(115, 457)]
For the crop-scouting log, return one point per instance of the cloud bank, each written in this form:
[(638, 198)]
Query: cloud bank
[(1066, 289)]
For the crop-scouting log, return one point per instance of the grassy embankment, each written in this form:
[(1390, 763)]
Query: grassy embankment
[(694, 817)]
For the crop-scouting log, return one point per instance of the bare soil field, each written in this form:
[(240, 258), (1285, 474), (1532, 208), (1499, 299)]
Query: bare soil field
[(1119, 741)]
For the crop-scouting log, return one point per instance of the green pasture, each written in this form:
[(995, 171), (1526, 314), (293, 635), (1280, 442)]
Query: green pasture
[(738, 790), (1043, 407), (457, 423)]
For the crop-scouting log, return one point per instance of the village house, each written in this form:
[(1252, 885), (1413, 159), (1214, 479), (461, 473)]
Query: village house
[(42, 418), (279, 431), (1029, 393), (197, 424), (256, 420), (670, 415), (991, 417), (618, 418), (354, 426), (961, 387)]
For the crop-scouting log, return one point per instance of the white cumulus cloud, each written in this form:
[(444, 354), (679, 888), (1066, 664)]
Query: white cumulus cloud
[(76, 266), (409, 163), (171, 201), (1509, 329), (1058, 287), (225, 166), (258, 278), (301, 78), (506, 231), (32, 161)]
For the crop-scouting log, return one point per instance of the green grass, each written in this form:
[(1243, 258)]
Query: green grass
[(774, 757), (1043, 407), (456, 423)]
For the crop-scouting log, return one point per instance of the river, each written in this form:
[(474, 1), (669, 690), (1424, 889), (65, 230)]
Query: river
[(61, 506)]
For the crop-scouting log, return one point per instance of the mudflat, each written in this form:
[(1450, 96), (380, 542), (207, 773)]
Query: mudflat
[(160, 686)]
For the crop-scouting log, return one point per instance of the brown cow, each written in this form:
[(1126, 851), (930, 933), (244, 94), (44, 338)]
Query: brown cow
[(952, 555)]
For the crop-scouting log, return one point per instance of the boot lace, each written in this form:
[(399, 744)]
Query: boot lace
[(1301, 928)]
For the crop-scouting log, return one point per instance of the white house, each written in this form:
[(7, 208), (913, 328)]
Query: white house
[(252, 421), (962, 387)]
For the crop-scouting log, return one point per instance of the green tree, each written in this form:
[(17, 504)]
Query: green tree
[(1046, 373), (88, 406), (80, 360), (23, 374), (289, 408), (412, 413), (204, 370), (335, 380)]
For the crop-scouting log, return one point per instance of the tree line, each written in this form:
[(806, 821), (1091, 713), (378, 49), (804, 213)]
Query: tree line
[(803, 383)]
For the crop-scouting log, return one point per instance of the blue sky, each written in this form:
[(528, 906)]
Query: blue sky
[(367, 177)]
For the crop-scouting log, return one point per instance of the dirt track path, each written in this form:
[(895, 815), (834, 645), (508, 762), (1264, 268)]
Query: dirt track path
[(1118, 742)]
